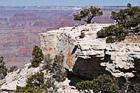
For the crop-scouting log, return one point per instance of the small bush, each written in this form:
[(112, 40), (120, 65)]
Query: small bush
[(102, 83), (101, 33), (35, 84), (13, 68), (47, 85), (28, 90), (110, 39), (84, 85), (58, 60), (36, 80), (120, 37), (58, 69), (37, 56), (82, 35), (113, 33), (47, 62)]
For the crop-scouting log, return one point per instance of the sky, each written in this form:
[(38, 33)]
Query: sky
[(68, 2)]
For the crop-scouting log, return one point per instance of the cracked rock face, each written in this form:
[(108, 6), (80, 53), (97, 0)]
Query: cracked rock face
[(91, 56), (18, 77)]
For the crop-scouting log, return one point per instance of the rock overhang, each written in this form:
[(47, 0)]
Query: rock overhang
[(67, 39)]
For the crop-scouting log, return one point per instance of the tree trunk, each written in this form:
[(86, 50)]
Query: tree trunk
[(88, 21)]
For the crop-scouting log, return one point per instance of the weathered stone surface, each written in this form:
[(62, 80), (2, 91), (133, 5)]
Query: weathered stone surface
[(19, 77), (90, 55), (64, 87)]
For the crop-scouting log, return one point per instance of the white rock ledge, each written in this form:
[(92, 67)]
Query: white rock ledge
[(67, 39)]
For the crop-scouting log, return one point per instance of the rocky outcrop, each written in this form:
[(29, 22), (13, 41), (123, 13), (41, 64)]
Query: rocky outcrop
[(60, 83), (18, 77), (91, 56), (86, 57)]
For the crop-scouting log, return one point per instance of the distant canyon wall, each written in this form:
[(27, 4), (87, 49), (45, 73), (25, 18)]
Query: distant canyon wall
[(20, 26)]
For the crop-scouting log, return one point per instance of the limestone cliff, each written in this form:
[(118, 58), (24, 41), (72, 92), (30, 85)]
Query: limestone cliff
[(91, 56)]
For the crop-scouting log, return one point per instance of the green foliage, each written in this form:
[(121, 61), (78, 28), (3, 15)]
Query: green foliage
[(107, 31), (88, 14), (102, 83), (47, 62), (35, 84), (13, 68), (82, 35), (84, 85), (58, 60), (47, 85), (36, 80), (127, 18), (129, 5), (118, 33), (110, 39), (37, 56), (28, 90), (3, 69), (58, 69)]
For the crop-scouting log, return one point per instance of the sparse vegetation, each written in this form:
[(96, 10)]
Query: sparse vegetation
[(129, 17), (110, 39), (102, 83), (88, 14), (13, 68), (3, 69), (58, 69), (82, 35), (58, 60), (113, 33), (85, 85), (47, 62), (36, 80), (126, 19), (37, 56), (35, 84)]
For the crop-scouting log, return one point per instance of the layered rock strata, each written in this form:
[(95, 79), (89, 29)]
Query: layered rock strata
[(90, 56)]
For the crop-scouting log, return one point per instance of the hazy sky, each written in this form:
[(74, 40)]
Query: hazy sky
[(68, 2)]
